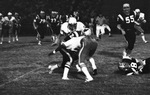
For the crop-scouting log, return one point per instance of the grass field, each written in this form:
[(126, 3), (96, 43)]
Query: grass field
[(23, 70)]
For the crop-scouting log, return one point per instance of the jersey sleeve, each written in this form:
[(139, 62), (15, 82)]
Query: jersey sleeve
[(120, 19)]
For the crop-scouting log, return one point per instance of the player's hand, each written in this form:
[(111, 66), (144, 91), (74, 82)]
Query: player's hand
[(123, 32), (35, 28)]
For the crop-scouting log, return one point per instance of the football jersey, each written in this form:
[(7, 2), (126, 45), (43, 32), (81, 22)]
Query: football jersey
[(126, 21), (9, 19), (79, 28), (140, 18), (40, 20), (73, 43)]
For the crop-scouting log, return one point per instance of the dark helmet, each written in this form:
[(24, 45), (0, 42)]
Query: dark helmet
[(126, 64)]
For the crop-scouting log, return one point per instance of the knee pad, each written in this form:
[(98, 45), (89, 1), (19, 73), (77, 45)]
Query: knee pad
[(68, 64), (82, 65)]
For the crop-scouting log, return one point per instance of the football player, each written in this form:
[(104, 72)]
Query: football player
[(55, 26), (17, 26), (8, 25), (1, 33), (101, 25), (79, 48), (131, 66), (126, 22), (140, 19), (72, 43), (40, 24)]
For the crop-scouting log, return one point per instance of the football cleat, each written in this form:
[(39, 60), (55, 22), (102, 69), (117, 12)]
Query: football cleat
[(63, 78), (145, 42), (39, 43), (9, 41), (51, 69), (95, 72), (88, 80)]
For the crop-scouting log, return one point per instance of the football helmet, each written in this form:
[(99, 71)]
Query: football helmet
[(128, 64), (9, 14), (124, 65), (42, 14), (1, 14), (16, 14), (72, 23), (137, 10)]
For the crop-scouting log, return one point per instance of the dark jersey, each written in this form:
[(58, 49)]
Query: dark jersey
[(142, 66), (146, 66), (54, 21), (126, 21), (40, 20)]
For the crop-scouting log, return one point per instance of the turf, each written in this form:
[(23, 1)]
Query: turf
[(23, 70)]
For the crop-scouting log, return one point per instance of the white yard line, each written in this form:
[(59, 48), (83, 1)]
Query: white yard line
[(16, 79)]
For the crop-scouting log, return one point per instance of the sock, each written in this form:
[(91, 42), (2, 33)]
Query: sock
[(92, 61), (65, 74), (86, 72), (143, 38)]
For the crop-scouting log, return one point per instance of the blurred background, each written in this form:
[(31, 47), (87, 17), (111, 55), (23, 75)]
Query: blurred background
[(87, 8)]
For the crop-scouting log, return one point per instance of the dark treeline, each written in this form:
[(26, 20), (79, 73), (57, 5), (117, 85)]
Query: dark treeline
[(87, 8)]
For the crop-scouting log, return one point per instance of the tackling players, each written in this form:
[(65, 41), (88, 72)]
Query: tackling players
[(72, 43)]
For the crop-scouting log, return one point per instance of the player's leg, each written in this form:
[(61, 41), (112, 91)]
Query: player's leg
[(143, 37), (67, 66), (97, 31), (109, 30), (131, 41), (13, 34), (16, 34), (139, 28), (102, 29), (10, 30), (41, 31), (65, 59), (1, 36), (94, 67), (62, 65), (82, 58)]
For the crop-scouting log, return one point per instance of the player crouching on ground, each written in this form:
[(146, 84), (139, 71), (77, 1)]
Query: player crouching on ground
[(132, 66)]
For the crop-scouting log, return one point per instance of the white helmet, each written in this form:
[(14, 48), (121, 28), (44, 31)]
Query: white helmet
[(72, 20), (137, 10), (72, 23), (1, 14), (42, 12), (9, 14)]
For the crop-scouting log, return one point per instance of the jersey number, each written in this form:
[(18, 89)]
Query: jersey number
[(129, 19)]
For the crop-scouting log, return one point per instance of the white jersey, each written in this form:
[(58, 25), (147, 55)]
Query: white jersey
[(7, 19), (142, 16), (73, 43), (65, 30)]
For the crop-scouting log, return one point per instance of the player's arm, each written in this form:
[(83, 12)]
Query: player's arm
[(120, 20), (121, 29)]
